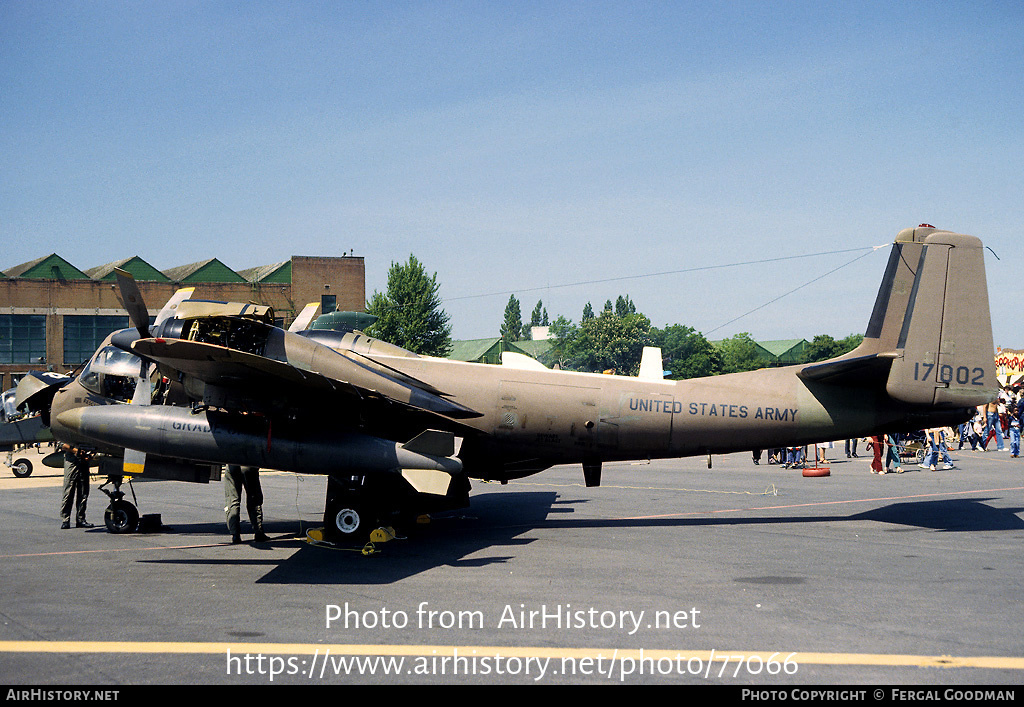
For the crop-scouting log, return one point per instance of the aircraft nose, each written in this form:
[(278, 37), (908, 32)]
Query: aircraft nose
[(68, 420)]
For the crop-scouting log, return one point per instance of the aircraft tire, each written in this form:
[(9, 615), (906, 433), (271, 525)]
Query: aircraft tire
[(121, 517), (353, 522), (22, 468)]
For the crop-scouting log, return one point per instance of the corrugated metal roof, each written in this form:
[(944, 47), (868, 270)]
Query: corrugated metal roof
[(49, 267), (139, 268), (275, 273), (211, 270)]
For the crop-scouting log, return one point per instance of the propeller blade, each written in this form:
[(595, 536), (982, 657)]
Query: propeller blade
[(305, 317), (172, 305), (132, 300)]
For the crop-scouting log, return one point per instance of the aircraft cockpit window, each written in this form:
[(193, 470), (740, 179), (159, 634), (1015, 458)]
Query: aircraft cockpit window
[(8, 412), (112, 373)]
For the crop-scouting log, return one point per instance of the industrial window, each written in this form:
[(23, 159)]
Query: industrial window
[(22, 338), (328, 303), (83, 334)]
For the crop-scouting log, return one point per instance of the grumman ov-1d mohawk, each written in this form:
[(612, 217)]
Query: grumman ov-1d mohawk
[(400, 434)]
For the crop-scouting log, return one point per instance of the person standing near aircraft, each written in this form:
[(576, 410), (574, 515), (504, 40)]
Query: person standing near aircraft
[(1015, 422), (938, 443), (994, 429), (76, 487), (876, 460), (235, 479), (851, 444), (892, 456)]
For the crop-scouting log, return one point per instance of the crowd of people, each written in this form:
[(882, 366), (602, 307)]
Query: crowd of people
[(999, 421)]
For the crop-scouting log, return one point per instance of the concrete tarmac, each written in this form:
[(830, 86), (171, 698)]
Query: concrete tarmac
[(670, 572)]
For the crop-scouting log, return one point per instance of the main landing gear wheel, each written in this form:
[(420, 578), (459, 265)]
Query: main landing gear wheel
[(354, 523), (121, 517), (22, 468)]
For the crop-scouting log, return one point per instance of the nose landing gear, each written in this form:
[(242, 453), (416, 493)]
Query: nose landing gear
[(121, 516)]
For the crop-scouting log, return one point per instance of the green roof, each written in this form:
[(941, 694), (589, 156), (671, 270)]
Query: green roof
[(482, 350), (139, 269), (534, 349), (277, 273), (784, 349), (211, 270), (489, 350), (50, 267)]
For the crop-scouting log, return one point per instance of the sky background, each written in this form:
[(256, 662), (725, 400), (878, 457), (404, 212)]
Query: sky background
[(524, 147)]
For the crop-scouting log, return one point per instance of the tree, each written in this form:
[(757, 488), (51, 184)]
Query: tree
[(512, 327), (686, 352), (600, 343), (624, 306), (539, 316), (821, 348), (409, 314), (824, 347), (588, 312), (740, 354)]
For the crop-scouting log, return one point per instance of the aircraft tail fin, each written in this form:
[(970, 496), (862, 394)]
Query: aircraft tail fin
[(882, 334), (944, 353)]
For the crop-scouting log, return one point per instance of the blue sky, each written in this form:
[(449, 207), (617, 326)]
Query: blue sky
[(521, 147)]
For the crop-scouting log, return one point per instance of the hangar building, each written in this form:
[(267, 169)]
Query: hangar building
[(53, 315)]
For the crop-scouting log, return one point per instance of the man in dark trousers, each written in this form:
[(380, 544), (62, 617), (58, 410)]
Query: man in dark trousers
[(235, 479), (76, 487)]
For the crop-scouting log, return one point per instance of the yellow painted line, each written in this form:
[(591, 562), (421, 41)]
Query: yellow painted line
[(348, 649)]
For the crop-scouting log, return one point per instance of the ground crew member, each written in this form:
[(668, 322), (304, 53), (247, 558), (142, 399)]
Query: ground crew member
[(235, 479), (76, 487)]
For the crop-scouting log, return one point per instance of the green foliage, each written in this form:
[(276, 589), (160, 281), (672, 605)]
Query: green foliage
[(624, 306), (539, 316), (686, 352), (740, 354), (608, 341), (409, 313), (588, 312), (512, 326), (824, 347)]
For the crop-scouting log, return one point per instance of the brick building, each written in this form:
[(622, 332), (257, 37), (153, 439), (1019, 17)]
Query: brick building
[(54, 315)]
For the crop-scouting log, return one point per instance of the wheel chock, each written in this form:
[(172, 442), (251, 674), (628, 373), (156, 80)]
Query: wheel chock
[(382, 535)]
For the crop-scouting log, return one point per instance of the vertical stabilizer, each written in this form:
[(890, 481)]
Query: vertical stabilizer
[(886, 321), (945, 354)]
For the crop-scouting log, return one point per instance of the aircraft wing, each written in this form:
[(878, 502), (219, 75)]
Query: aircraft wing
[(861, 370), (338, 375), (30, 430)]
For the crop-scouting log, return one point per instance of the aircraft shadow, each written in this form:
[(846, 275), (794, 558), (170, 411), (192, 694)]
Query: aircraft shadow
[(492, 522), (497, 521)]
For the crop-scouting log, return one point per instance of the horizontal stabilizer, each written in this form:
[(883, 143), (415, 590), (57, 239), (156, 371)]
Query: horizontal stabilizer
[(859, 370)]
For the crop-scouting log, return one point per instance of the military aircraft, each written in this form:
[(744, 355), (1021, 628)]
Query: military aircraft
[(399, 433)]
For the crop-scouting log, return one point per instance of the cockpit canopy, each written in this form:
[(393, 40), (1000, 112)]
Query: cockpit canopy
[(7, 409), (112, 373)]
